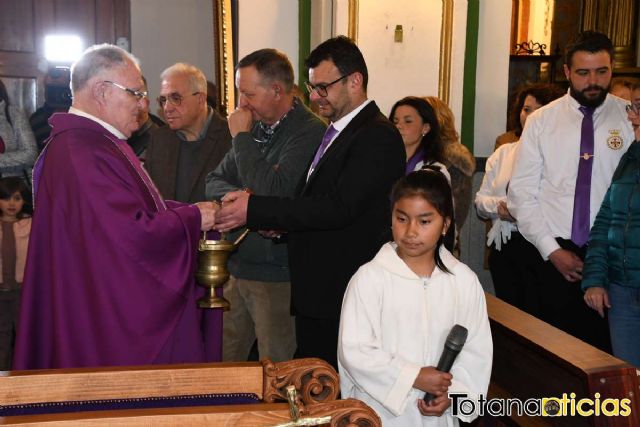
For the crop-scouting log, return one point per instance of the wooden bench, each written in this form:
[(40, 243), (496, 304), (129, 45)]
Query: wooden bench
[(532, 359)]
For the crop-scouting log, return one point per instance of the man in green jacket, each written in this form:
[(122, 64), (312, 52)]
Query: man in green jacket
[(274, 139)]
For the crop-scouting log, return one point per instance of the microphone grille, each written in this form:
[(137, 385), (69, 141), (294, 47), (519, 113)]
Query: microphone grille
[(457, 337)]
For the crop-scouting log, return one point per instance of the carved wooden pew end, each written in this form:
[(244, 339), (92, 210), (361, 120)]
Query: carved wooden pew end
[(230, 394)]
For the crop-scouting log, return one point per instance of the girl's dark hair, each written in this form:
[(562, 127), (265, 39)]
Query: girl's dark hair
[(4, 96), (544, 93), (432, 186), (11, 184), (432, 142)]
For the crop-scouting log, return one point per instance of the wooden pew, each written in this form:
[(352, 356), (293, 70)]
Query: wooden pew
[(315, 381), (532, 359)]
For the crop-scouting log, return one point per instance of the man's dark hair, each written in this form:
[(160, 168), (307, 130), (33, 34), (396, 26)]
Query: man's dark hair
[(344, 53), (590, 41), (272, 65)]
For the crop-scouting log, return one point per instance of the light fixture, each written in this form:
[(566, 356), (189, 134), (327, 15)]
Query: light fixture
[(62, 48)]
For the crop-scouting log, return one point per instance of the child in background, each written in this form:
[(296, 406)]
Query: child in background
[(15, 226), (399, 308)]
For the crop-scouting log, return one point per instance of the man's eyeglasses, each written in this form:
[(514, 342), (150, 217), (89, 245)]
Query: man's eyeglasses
[(174, 99), (137, 93), (321, 89)]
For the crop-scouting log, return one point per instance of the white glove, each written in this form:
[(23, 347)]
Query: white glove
[(500, 233)]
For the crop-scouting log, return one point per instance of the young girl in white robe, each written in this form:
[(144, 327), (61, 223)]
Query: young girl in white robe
[(399, 308)]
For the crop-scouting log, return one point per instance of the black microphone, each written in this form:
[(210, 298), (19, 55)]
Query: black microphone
[(452, 346)]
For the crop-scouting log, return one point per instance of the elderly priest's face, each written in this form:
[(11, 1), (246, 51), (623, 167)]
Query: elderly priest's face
[(123, 98)]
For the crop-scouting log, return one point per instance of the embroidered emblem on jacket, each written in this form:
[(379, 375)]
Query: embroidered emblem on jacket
[(615, 141)]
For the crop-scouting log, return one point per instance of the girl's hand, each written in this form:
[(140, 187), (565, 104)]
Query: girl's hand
[(436, 407), (432, 381)]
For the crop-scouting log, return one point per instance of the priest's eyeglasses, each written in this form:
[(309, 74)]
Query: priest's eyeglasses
[(136, 93), (321, 89), (174, 99)]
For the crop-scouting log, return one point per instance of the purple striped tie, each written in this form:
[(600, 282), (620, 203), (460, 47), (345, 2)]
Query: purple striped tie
[(582, 196), (326, 139)]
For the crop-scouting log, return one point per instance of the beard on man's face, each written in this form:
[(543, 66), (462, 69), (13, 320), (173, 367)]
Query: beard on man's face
[(592, 100)]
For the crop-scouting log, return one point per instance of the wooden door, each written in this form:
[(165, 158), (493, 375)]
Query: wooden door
[(25, 23)]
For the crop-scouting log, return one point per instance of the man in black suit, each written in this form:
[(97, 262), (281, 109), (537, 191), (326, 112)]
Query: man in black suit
[(341, 215)]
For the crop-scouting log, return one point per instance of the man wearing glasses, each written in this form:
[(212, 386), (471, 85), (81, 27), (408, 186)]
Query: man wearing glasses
[(139, 140), (274, 138), (193, 143), (109, 272), (340, 217)]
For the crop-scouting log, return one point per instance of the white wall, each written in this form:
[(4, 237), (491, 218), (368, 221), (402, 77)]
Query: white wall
[(269, 24), (400, 69), (492, 75), (164, 32)]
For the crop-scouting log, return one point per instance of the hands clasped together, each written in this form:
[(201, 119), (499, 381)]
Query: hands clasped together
[(225, 216), (430, 380)]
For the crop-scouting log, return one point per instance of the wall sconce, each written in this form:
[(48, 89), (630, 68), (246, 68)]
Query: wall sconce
[(398, 34)]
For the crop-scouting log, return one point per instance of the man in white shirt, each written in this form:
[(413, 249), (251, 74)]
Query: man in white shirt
[(568, 152)]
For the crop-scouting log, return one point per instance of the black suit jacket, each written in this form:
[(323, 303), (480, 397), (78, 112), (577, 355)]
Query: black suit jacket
[(162, 158), (341, 216)]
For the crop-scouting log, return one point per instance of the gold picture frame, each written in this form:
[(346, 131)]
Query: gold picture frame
[(223, 42), (352, 29), (446, 40)]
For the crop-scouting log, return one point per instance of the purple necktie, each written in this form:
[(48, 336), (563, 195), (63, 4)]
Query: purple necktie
[(326, 139), (582, 196)]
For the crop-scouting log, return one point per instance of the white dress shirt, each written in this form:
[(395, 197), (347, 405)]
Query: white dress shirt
[(107, 126), (340, 125), (543, 184), (493, 190)]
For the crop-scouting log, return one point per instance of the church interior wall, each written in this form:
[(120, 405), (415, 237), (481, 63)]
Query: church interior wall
[(164, 32), (161, 35), (269, 24), (492, 74)]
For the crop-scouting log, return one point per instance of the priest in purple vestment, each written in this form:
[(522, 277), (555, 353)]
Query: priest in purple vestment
[(109, 275)]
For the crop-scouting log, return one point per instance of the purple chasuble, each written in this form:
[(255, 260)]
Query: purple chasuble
[(109, 276)]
